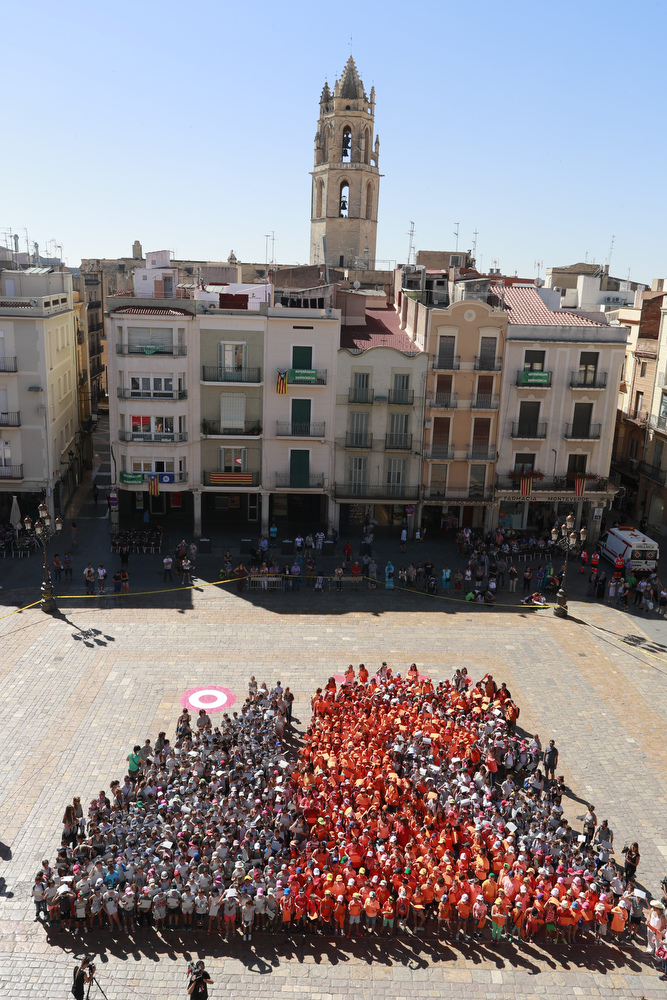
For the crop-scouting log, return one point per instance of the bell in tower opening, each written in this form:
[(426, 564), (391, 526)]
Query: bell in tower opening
[(345, 175)]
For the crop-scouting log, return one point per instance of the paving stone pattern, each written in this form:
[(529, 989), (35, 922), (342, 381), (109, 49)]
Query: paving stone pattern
[(80, 690)]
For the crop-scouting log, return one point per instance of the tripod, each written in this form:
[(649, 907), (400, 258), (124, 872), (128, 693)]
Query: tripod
[(94, 980)]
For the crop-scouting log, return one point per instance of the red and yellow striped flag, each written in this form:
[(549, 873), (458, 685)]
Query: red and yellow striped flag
[(154, 484), (281, 383)]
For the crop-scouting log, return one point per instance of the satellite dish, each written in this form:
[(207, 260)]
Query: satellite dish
[(357, 284), (329, 311)]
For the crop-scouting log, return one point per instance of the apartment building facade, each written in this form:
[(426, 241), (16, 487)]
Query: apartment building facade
[(557, 413), (222, 415), (39, 419), (641, 428), (379, 422)]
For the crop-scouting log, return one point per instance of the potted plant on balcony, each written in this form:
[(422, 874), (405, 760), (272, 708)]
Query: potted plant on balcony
[(207, 426), (515, 476), (256, 428)]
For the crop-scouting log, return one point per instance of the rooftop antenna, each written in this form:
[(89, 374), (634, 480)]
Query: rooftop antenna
[(539, 264), (611, 250), (586, 257), (456, 233), (411, 234), (474, 244), (269, 236)]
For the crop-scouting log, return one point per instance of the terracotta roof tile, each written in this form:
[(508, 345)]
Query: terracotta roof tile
[(382, 329), (149, 311), (526, 308)]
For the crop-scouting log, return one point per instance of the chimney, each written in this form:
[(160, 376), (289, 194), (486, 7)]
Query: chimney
[(137, 251)]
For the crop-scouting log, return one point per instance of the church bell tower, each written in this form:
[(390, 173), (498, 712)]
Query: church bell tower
[(346, 178)]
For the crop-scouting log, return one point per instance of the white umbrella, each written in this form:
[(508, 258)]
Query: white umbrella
[(15, 515)]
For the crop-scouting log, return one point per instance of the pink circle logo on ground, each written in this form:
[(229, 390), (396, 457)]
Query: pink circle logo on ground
[(212, 698)]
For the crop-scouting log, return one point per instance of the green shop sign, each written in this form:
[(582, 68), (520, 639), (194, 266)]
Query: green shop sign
[(302, 375), (132, 478), (535, 378)]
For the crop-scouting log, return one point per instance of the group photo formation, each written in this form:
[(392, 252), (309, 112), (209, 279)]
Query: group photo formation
[(411, 808)]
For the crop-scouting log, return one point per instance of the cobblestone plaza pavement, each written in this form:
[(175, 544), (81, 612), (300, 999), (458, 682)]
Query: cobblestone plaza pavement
[(81, 689)]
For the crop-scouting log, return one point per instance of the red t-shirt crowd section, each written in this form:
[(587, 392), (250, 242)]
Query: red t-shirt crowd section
[(409, 808)]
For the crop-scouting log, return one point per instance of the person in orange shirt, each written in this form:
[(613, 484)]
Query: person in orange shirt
[(363, 674), (326, 909), (516, 921), (489, 890), (340, 912), (286, 907), (418, 907), (497, 919), (564, 923), (354, 914), (388, 915), (619, 917), (532, 924), (402, 908), (444, 913), (349, 675), (479, 911), (463, 911), (371, 908)]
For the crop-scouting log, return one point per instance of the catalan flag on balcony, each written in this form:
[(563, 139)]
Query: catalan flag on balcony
[(154, 484), (579, 486), (526, 484), (281, 383)]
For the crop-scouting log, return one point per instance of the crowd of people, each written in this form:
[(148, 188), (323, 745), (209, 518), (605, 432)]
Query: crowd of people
[(410, 808)]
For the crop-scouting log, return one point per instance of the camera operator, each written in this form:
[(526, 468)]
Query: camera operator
[(199, 981), (82, 974)]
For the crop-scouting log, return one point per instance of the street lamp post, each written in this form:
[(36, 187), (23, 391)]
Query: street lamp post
[(43, 531), (567, 542)]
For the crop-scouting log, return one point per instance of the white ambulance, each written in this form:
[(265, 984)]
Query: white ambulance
[(629, 543)]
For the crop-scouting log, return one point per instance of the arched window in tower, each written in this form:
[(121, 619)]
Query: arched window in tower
[(346, 151), (369, 200), (367, 146), (318, 202), (344, 202)]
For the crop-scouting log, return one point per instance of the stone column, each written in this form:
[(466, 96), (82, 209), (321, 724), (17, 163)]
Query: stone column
[(266, 496), (196, 497)]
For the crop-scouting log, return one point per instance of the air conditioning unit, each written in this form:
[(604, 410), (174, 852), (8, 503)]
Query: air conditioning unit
[(380, 399), (616, 298), (634, 464)]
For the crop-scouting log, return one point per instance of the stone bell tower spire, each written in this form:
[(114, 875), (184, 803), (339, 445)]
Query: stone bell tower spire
[(346, 178)]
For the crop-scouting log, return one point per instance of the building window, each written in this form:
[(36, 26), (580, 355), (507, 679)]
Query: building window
[(367, 149), (588, 367), (576, 466), (524, 463), (232, 412), (356, 473), (344, 201), (369, 200), (233, 355), (318, 204), (346, 150), (642, 369), (151, 386), (232, 459), (534, 361)]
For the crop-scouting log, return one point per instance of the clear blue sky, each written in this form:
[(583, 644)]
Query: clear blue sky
[(191, 127)]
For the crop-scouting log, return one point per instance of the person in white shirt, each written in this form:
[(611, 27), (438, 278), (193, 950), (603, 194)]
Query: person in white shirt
[(187, 906), (111, 907), (213, 910)]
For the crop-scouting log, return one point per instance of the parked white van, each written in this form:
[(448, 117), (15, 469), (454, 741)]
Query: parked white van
[(629, 543)]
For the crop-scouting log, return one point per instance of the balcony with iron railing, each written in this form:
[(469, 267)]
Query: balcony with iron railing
[(582, 432), (152, 437), (96, 370), (653, 472), (401, 397), (11, 471), (557, 484), (588, 380), (481, 453), (153, 350), (444, 401), (484, 401), (439, 452), (83, 377), (8, 364), (95, 327), (11, 419), (230, 480), (216, 428), (446, 363), (398, 442), (526, 379), (357, 440), (299, 481), (528, 430), (358, 394), (289, 428), (483, 364), (125, 393), (380, 491), (231, 373), (458, 493)]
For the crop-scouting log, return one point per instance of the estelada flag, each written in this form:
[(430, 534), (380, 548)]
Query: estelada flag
[(281, 383), (154, 484)]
